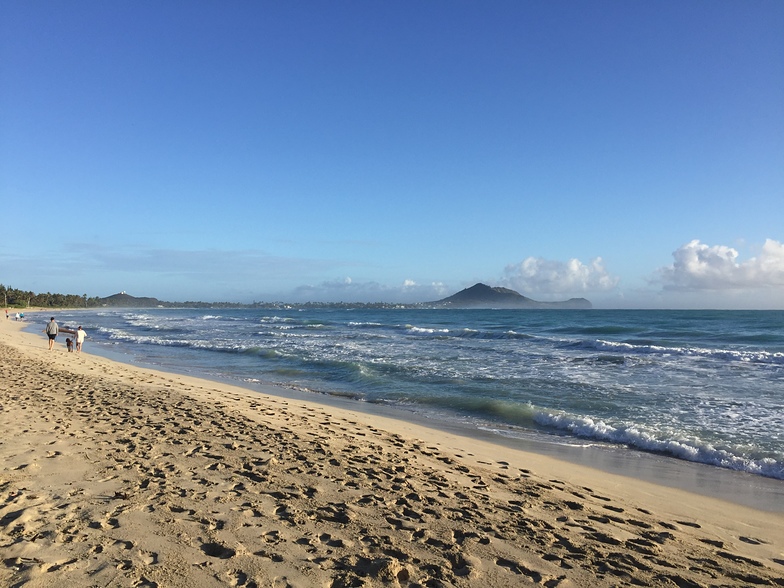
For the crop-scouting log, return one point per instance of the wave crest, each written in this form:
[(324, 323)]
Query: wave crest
[(689, 449)]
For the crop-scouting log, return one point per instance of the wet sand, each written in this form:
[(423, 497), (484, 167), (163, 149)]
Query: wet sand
[(114, 475)]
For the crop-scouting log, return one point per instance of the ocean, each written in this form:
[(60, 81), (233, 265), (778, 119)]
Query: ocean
[(702, 386)]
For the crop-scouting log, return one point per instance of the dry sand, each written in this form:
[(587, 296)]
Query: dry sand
[(118, 476)]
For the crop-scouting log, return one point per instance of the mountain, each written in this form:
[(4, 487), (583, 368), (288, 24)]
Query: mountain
[(483, 296), (127, 301)]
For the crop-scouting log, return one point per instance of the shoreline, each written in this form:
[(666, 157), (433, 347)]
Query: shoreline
[(732, 486), (178, 481), (738, 487)]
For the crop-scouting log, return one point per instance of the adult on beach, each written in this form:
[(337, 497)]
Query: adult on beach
[(51, 330), (80, 335)]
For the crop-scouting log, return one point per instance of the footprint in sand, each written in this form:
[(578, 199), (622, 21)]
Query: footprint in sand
[(60, 565), (217, 550)]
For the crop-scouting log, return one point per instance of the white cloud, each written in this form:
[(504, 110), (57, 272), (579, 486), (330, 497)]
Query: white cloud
[(348, 290), (535, 276), (702, 267), (431, 289)]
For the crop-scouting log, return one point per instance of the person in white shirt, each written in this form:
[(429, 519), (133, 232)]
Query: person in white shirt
[(80, 335)]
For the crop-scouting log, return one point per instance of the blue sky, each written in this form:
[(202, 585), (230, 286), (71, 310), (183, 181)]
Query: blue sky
[(628, 152)]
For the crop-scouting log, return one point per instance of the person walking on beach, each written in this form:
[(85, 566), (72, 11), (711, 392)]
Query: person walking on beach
[(80, 335), (51, 330)]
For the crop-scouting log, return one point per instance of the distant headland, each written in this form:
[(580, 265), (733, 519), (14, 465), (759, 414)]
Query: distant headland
[(477, 296), (483, 296)]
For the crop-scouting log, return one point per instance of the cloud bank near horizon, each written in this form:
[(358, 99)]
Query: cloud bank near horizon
[(349, 290), (546, 277), (700, 276), (699, 266)]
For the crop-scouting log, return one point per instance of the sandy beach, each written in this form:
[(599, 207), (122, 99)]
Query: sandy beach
[(114, 475)]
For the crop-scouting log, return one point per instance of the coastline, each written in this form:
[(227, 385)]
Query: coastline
[(735, 486), (169, 480)]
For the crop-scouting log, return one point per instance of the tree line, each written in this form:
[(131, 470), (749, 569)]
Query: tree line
[(15, 298)]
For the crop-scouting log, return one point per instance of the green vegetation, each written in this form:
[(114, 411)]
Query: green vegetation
[(14, 298)]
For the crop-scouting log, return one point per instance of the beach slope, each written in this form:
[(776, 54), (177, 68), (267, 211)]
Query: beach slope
[(118, 476)]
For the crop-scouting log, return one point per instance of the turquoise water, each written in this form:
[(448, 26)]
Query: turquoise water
[(703, 386)]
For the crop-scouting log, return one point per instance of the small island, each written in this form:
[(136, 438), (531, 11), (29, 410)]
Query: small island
[(483, 296)]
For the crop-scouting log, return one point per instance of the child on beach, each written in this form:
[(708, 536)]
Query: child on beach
[(69, 345)]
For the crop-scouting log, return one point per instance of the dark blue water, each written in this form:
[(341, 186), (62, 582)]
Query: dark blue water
[(705, 386)]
